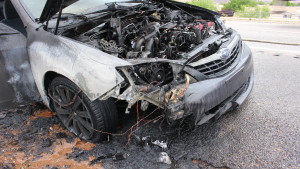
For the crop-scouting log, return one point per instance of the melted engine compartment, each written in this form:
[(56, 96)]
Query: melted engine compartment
[(148, 30)]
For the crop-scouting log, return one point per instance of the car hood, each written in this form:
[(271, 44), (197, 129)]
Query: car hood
[(52, 7)]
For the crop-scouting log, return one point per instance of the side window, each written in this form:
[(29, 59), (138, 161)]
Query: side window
[(11, 17), (1, 10)]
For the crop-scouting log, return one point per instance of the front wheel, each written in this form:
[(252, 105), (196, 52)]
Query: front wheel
[(79, 114)]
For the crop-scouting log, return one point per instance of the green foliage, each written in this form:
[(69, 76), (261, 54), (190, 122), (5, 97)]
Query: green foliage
[(254, 12), (290, 4), (238, 5), (261, 3), (208, 4), (273, 2), (284, 3)]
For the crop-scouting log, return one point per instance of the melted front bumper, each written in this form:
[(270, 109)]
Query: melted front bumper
[(214, 97)]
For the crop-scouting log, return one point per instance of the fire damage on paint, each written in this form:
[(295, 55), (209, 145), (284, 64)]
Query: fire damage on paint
[(16, 82), (177, 57), (160, 41)]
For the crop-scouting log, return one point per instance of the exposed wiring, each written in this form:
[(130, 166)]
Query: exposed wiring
[(131, 133), (131, 129), (66, 104), (137, 113)]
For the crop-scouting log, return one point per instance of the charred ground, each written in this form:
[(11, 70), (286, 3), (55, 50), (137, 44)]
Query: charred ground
[(32, 137)]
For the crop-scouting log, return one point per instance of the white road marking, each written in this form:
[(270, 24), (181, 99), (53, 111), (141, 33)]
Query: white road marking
[(271, 31), (277, 50), (262, 30)]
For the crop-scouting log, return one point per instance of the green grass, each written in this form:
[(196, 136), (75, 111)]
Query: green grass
[(254, 12), (284, 3)]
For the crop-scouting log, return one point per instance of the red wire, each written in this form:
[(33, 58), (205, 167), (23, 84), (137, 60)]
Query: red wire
[(121, 134), (136, 124), (137, 113), (131, 133)]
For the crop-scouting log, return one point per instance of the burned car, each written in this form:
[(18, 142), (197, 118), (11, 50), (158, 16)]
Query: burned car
[(84, 56)]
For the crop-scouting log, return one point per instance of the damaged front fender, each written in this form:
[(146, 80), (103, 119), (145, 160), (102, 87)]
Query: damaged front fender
[(87, 67)]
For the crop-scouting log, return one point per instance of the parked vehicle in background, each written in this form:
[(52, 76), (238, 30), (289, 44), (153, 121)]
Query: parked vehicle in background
[(287, 15), (226, 12)]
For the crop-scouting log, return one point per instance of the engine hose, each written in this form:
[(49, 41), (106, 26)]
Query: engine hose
[(198, 35), (149, 45), (141, 41)]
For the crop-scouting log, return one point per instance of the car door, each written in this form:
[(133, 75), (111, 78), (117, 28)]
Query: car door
[(17, 85)]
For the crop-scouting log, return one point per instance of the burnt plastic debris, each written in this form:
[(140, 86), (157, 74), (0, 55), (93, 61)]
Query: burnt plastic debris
[(114, 157)]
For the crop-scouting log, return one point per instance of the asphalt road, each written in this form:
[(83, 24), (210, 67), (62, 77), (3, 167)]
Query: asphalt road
[(276, 32), (263, 133)]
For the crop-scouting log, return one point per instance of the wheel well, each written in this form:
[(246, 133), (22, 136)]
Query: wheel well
[(49, 76)]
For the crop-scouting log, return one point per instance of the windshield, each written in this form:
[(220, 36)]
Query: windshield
[(76, 8)]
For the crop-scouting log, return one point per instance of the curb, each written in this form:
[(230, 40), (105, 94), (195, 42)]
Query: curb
[(280, 43)]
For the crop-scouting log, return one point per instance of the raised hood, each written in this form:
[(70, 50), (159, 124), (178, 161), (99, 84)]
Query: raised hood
[(52, 7)]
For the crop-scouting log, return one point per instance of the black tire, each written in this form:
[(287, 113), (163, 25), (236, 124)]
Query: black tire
[(86, 116)]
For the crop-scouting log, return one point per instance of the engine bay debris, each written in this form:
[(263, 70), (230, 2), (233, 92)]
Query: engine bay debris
[(148, 30)]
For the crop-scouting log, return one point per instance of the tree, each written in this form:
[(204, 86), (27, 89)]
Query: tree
[(237, 5), (208, 4)]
